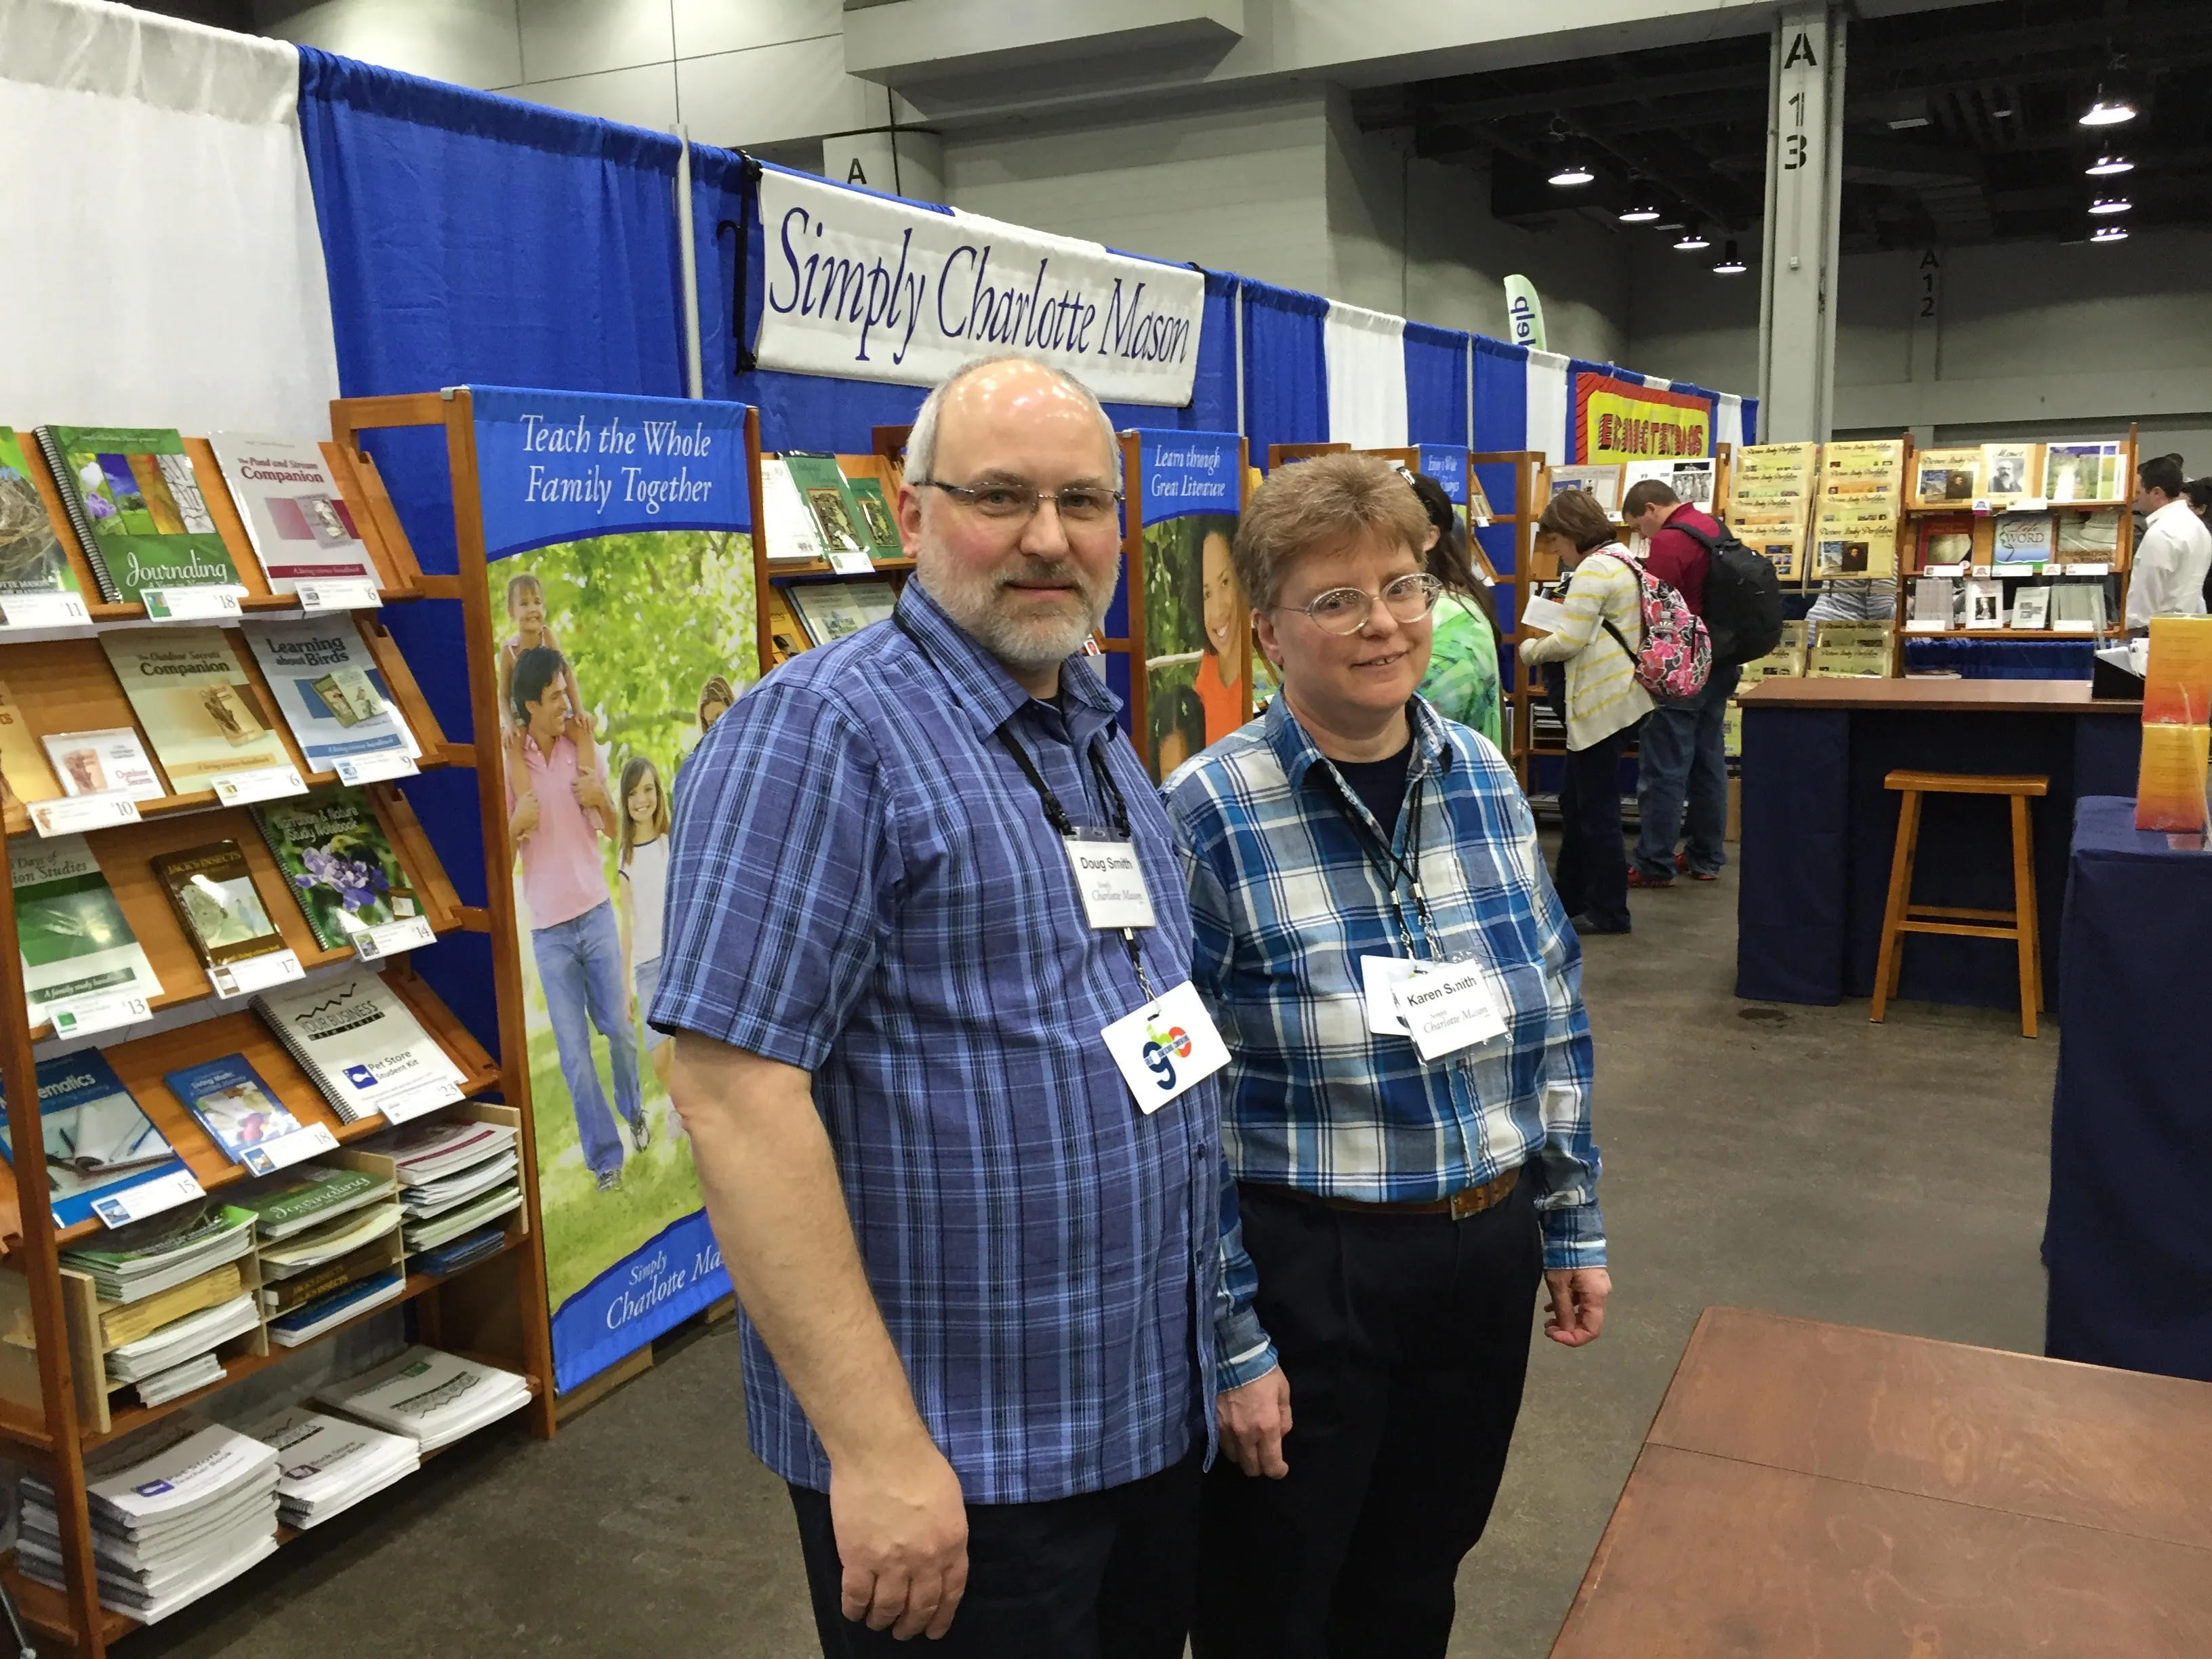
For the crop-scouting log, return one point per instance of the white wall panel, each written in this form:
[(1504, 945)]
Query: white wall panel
[(564, 38), (474, 43), (644, 96)]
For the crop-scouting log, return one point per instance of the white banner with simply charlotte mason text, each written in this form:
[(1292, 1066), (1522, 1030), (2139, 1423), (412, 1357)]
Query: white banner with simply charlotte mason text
[(870, 289)]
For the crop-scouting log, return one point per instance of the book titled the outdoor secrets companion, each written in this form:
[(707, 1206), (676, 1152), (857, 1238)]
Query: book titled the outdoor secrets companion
[(335, 857), (192, 698), (135, 505)]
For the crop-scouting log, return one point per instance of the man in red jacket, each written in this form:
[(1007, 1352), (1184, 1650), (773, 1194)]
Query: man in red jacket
[(1681, 754)]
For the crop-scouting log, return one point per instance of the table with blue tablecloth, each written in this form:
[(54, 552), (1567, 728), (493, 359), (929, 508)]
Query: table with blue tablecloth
[(1819, 826), (2129, 1240)]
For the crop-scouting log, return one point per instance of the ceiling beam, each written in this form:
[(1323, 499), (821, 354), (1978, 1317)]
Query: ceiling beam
[(1459, 108)]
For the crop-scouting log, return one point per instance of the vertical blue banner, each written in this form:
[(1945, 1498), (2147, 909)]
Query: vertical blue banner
[(1447, 465), (1187, 489)]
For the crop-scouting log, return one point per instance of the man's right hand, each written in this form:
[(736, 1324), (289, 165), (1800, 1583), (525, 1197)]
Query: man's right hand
[(901, 1534), (1254, 1420)]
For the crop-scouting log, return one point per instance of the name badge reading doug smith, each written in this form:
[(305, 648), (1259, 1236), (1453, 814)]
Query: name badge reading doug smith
[(1111, 881)]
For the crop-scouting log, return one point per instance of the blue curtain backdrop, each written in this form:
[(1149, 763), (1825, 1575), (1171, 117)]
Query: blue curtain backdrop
[(1436, 384), (1286, 369)]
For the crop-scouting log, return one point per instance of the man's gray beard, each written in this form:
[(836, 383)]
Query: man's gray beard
[(973, 602)]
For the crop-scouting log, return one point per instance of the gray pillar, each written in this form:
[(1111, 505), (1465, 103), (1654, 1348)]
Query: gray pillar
[(1804, 188)]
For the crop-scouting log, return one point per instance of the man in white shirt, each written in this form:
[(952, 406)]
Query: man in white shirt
[(2174, 553)]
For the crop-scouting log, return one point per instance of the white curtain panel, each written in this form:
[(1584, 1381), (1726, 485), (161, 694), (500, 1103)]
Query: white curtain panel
[(1366, 355), (1727, 424), (1547, 406), (167, 272)]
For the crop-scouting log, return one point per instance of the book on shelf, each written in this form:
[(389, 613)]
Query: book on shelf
[(330, 690), (202, 1370), (308, 1196), (148, 1257), (330, 1242), (470, 1246), (99, 1140), (126, 1321), (337, 862), (2088, 538), (1691, 478), (435, 1198), (1946, 538), (285, 1293), (22, 762), (2031, 607), (1947, 477), (299, 523), (1854, 521), (328, 1464), (1934, 601), (179, 1508), (75, 939), (2078, 607), (2022, 538), (194, 703), (304, 1324), (786, 524), (95, 763), (1985, 603), (180, 1339), (433, 1396), (134, 501), (32, 557), (428, 1232), (1603, 483), (1785, 661), (822, 485), (240, 1111), (211, 888), (424, 1152), (2009, 473), (828, 610), (2084, 472), (357, 1041), (875, 518)]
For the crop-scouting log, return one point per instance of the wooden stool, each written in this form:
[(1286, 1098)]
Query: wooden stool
[(1901, 915)]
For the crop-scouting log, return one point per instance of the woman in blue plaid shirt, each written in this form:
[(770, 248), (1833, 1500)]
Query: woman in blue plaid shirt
[(1407, 1110)]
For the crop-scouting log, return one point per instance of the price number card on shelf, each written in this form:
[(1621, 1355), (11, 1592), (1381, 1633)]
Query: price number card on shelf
[(70, 814), (270, 1156), (317, 597), (390, 938), (214, 603), (148, 1198), (22, 613)]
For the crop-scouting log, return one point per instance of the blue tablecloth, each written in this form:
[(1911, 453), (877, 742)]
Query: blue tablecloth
[(2001, 659), (2129, 1240), (1819, 829)]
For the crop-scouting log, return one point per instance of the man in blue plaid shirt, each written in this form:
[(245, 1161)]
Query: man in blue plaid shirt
[(1408, 1096), (978, 1280)]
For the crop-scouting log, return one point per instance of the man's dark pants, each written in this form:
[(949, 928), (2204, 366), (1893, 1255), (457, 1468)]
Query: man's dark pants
[(1681, 780), (1405, 1340), (1102, 1575)]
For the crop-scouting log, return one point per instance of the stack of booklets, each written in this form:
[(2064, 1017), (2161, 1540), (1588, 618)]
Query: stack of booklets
[(330, 1463), (178, 1509), (330, 690), (454, 1177), (179, 1357), (327, 1251), (32, 557), (1770, 503), (433, 1396), (358, 1041), (194, 703), (300, 523), (147, 1257), (1862, 495)]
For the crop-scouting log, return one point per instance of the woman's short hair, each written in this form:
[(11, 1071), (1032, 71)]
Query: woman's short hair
[(1311, 504), (1576, 515)]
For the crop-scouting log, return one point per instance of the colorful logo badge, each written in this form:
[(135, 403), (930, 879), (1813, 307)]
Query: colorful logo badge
[(1162, 1050)]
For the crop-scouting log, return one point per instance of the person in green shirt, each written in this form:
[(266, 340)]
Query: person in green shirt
[(1462, 680)]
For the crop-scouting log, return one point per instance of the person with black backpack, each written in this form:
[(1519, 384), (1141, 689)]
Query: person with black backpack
[(1682, 760)]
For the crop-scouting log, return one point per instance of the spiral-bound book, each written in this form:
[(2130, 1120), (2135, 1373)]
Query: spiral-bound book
[(357, 1041), (134, 502)]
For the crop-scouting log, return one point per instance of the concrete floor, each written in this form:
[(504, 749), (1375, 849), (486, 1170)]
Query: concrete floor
[(1797, 1159)]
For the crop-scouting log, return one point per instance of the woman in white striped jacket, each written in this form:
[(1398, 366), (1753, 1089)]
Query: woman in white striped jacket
[(1604, 703)]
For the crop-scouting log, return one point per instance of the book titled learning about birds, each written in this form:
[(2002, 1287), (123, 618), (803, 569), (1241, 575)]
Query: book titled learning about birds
[(301, 526), (330, 690), (136, 504), (99, 1140)]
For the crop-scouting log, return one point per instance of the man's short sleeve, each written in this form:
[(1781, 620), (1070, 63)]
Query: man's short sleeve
[(780, 858)]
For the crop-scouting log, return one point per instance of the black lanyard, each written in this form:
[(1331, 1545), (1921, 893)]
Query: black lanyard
[(1055, 815), (1390, 866)]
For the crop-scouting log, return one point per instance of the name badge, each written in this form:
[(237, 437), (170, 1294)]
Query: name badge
[(1447, 1009), (1166, 1049), (1111, 881), (1380, 978)]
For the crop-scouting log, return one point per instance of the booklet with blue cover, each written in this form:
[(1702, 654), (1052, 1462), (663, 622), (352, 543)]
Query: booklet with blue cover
[(238, 1109), (99, 1139)]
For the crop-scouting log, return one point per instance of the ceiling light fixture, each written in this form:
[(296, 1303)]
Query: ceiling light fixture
[(1692, 239), (1908, 122), (2112, 107), (1639, 212), (2110, 234), (1730, 265), (2107, 166), (2111, 204), (1572, 171)]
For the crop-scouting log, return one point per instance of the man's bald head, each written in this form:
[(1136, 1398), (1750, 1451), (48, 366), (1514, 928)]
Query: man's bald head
[(1009, 383)]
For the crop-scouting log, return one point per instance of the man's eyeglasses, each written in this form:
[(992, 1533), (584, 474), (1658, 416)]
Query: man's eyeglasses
[(1010, 499), (1346, 609)]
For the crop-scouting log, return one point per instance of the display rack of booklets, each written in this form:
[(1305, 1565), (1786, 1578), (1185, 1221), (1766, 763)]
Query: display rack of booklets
[(252, 1124), (827, 559)]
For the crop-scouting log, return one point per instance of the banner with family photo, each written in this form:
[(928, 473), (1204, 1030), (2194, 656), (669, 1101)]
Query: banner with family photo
[(617, 538), (1188, 493)]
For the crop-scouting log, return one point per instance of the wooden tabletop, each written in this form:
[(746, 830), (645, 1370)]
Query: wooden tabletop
[(1817, 1491), (1955, 696)]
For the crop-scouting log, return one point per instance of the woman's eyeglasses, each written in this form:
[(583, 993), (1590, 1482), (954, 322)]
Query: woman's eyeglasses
[(1346, 609)]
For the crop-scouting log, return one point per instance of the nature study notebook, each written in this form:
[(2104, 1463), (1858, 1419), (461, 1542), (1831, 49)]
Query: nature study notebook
[(194, 703), (301, 526), (32, 557), (329, 689), (135, 503), (238, 1109), (210, 887), (99, 1140), (74, 937), (339, 866)]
